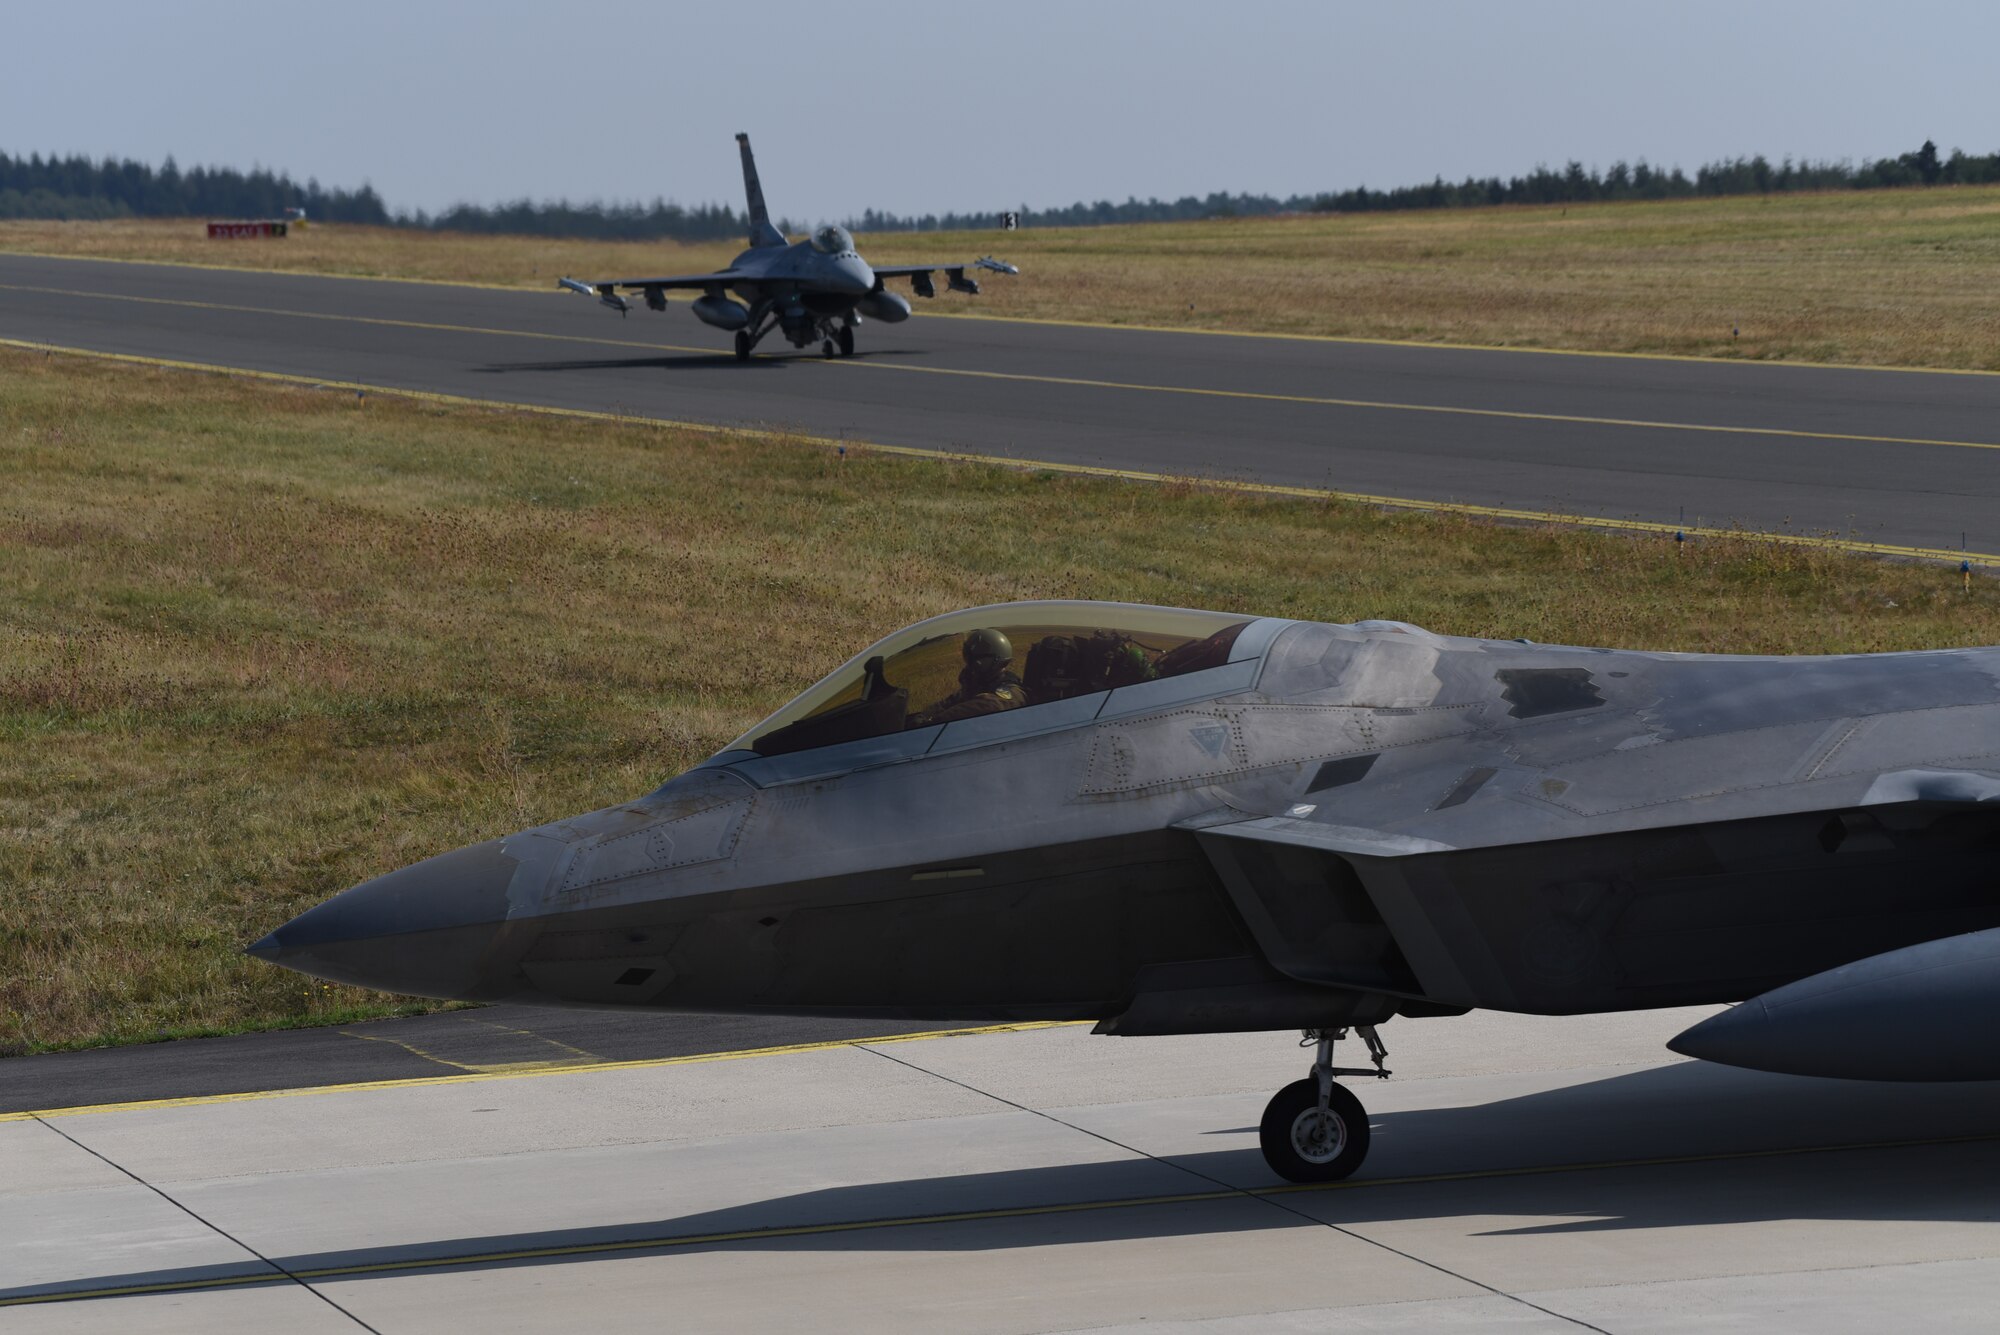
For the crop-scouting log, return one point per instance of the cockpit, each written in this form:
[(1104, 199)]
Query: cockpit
[(831, 240), (1026, 657)]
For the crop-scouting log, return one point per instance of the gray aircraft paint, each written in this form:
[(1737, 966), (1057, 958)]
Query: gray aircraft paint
[(814, 290), (1342, 824)]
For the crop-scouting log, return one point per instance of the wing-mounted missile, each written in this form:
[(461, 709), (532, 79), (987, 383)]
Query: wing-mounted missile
[(604, 294), (1925, 1012), (960, 283)]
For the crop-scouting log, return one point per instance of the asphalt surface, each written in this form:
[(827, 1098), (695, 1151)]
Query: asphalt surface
[(1767, 447), (461, 1042), (1526, 1175)]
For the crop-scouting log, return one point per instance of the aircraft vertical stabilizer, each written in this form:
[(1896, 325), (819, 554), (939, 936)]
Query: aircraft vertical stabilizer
[(762, 234)]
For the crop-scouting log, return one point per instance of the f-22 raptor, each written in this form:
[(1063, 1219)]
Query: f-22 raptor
[(818, 289), (1169, 821)]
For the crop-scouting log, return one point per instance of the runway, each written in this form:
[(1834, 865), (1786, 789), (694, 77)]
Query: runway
[(1530, 1175), (1898, 459)]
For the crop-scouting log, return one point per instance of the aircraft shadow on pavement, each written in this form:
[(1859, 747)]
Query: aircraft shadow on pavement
[(694, 361), (684, 362), (1675, 1146)]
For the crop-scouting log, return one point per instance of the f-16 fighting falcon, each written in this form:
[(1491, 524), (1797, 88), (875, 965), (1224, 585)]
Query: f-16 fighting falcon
[(1170, 821), (818, 289)]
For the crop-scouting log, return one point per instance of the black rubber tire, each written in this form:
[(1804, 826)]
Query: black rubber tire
[(846, 340), (742, 345), (826, 349), (1288, 1108)]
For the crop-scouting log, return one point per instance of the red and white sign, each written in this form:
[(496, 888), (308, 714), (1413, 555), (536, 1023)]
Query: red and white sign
[(230, 230)]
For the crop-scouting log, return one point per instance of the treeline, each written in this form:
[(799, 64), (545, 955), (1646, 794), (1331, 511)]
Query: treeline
[(76, 187), (600, 222), (1576, 184), (1186, 208)]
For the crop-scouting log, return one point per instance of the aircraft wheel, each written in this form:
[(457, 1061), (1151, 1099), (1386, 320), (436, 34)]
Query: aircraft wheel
[(742, 345), (1303, 1145), (846, 337), (827, 349)]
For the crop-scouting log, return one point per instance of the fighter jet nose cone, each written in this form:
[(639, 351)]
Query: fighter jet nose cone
[(1728, 1038), (856, 278), (429, 929), (1924, 1012)]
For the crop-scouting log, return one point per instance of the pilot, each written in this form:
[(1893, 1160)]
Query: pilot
[(985, 686)]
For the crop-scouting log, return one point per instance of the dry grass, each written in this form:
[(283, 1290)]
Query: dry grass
[(1894, 277), (258, 643)]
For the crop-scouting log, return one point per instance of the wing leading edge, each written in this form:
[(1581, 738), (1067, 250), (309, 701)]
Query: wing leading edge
[(920, 274), (606, 290), (1693, 912)]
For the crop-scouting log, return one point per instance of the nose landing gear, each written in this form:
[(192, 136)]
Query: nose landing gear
[(1313, 1129), (839, 342)]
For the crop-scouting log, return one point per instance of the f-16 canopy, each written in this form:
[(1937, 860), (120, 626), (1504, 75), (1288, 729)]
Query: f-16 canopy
[(831, 240)]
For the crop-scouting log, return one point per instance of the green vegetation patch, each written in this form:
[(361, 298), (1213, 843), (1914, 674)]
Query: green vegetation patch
[(258, 643)]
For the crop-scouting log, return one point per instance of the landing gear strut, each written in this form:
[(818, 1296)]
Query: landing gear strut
[(761, 321), (1313, 1129)]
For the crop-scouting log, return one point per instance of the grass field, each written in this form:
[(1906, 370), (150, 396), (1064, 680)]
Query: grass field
[(1892, 277), (258, 643)]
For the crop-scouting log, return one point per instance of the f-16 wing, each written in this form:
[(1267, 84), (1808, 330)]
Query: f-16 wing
[(606, 290), (920, 274)]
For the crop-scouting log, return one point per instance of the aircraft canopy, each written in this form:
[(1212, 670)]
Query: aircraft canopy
[(1061, 650), (831, 240)]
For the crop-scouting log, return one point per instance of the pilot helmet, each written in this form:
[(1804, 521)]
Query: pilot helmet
[(987, 650)]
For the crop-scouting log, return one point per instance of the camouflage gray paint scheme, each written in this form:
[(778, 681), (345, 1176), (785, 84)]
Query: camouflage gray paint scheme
[(1341, 824), (816, 290)]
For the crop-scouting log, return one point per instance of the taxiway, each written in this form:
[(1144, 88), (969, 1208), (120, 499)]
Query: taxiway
[(1532, 1175), (1895, 458)]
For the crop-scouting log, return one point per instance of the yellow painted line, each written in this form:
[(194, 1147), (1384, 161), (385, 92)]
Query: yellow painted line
[(518, 1071), (1526, 350), (278, 273), (1277, 335), (576, 1054), (1445, 409), (1513, 514), (1077, 382), (667, 1242), (378, 320), (577, 1057)]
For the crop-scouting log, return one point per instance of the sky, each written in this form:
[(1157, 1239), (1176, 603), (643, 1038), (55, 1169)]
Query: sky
[(934, 107)]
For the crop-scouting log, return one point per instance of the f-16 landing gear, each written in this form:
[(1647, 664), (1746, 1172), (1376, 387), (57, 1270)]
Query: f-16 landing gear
[(827, 348), (1313, 1129), (762, 320), (846, 340)]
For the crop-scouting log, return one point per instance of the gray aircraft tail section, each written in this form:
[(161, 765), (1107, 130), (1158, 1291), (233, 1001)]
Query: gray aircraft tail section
[(761, 232)]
